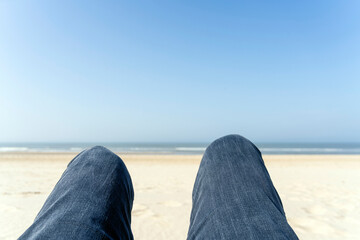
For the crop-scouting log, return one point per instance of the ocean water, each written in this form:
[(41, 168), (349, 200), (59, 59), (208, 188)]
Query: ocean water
[(183, 148)]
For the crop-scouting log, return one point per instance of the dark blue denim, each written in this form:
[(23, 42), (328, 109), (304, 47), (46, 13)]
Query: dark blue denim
[(92, 200), (233, 198)]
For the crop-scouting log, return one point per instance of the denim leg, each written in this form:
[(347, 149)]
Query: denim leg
[(233, 195), (92, 200)]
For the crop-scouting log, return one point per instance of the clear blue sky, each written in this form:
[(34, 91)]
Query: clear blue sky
[(179, 70)]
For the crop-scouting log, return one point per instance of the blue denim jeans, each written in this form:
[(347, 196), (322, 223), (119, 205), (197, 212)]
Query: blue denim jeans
[(233, 198)]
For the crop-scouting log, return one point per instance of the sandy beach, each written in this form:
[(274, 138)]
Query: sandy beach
[(320, 193)]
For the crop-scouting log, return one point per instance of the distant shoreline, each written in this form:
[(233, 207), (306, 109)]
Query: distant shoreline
[(183, 148)]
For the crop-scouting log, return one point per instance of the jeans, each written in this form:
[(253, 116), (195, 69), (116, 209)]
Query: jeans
[(233, 198)]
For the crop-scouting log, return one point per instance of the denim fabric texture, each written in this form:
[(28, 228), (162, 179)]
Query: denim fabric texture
[(233, 198), (92, 200)]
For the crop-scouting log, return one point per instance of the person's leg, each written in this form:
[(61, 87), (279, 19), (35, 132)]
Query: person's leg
[(92, 200), (233, 195)]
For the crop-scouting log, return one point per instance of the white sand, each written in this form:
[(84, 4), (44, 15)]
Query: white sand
[(321, 194)]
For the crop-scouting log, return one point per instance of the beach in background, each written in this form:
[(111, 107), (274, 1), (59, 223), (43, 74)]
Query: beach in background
[(320, 192), (181, 148), (157, 81)]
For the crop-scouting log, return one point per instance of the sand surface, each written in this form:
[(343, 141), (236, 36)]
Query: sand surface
[(320, 193)]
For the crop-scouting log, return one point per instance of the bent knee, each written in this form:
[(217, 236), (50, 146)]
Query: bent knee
[(98, 155), (231, 144), (228, 142), (99, 150)]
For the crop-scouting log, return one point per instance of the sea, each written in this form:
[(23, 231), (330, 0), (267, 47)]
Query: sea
[(182, 148)]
